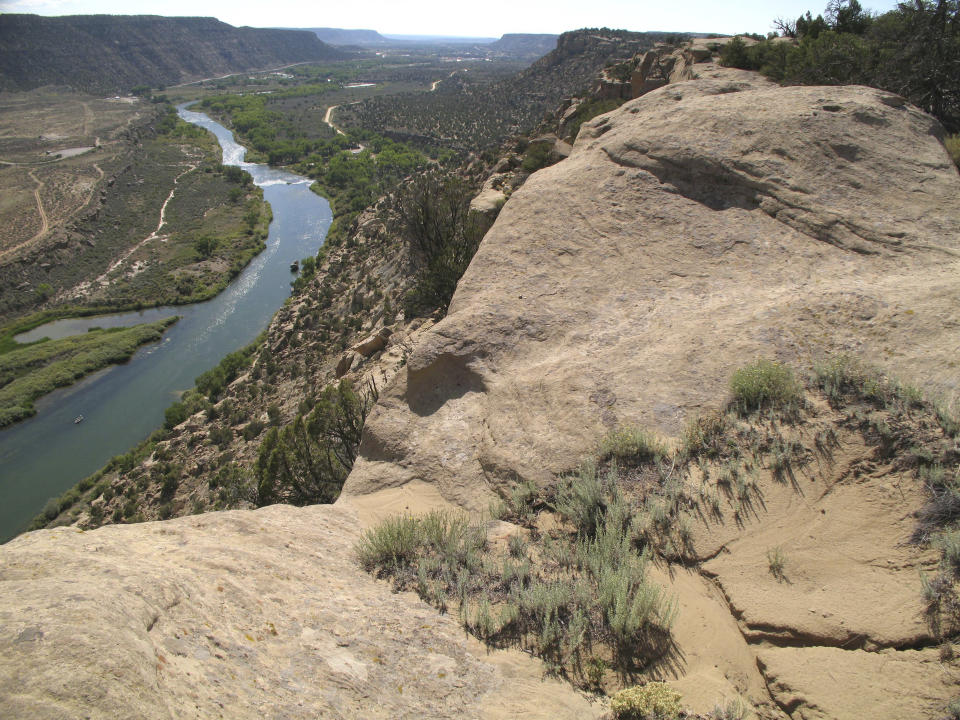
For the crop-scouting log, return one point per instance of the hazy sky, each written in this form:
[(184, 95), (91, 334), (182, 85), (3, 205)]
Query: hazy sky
[(491, 18)]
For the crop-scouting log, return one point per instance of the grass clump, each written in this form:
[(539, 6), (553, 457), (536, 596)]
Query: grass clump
[(576, 594), (653, 701), (844, 378), (765, 384), (632, 445), (735, 709), (777, 562), (705, 435)]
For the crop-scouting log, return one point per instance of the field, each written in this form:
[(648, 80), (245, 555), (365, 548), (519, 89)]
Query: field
[(37, 189), (85, 231)]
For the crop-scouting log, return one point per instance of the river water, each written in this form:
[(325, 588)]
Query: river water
[(42, 457)]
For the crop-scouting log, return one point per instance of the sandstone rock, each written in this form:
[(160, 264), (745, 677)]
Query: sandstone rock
[(344, 364), (694, 229), (374, 343), (241, 615), (690, 230), (488, 202)]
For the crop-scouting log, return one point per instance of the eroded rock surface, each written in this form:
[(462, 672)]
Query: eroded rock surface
[(242, 614), (694, 229)]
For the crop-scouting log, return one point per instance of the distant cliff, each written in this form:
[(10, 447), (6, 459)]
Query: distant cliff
[(113, 53), (524, 45), (339, 36)]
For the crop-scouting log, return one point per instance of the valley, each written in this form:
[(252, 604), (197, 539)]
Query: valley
[(618, 381)]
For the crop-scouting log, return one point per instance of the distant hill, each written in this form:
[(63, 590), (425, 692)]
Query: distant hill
[(340, 36), (524, 45), (114, 53)]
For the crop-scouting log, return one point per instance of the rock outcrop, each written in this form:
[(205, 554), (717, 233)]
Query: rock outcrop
[(694, 229), (691, 230), (697, 227), (240, 614)]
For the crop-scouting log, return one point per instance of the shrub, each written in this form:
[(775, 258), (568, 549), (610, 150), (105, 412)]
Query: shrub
[(776, 562), (653, 701), (704, 434), (632, 445), (735, 709), (391, 545), (443, 234), (952, 144), (581, 500), (765, 384)]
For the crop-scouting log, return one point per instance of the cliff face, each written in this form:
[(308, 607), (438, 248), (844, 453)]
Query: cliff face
[(108, 53), (690, 231)]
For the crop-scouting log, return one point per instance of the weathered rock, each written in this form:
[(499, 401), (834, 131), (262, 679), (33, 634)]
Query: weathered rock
[(374, 343), (241, 615), (344, 364), (692, 230), (489, 201)]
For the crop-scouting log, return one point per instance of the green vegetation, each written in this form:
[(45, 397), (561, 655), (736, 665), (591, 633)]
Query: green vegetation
[(471, 112), (734, 709), (911, 50), (101, 485), (165, 267), (776, 562), (653, 701), (577, 594), (632, 445), (308, 460), (765, 384), (352, 171), (443, 234), (588, 111), (952, 144), (574, 597), (30, 371)]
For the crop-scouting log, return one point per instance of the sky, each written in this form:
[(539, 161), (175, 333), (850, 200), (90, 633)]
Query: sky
[(490, 18)]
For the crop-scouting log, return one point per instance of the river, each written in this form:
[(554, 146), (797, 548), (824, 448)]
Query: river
[(42, 457)]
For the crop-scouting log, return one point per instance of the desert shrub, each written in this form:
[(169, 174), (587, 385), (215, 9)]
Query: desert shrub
[(391, 545), (844, 378), (953, 709), (582, 500), (776, 562), (443, 235), (704, 435), (653, 701), (536, 157), (567, 595), (632, 445), (735, 709), (517, 546), (952, 144), (765, 384)]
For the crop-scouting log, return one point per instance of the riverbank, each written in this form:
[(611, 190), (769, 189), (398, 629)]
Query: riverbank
[(43, 456), (33, 370)]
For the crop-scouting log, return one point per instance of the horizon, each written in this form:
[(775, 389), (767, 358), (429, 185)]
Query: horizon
[(432, 18)]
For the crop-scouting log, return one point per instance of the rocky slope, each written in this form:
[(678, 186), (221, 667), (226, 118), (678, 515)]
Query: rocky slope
[(104, 53), (698, 227)]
